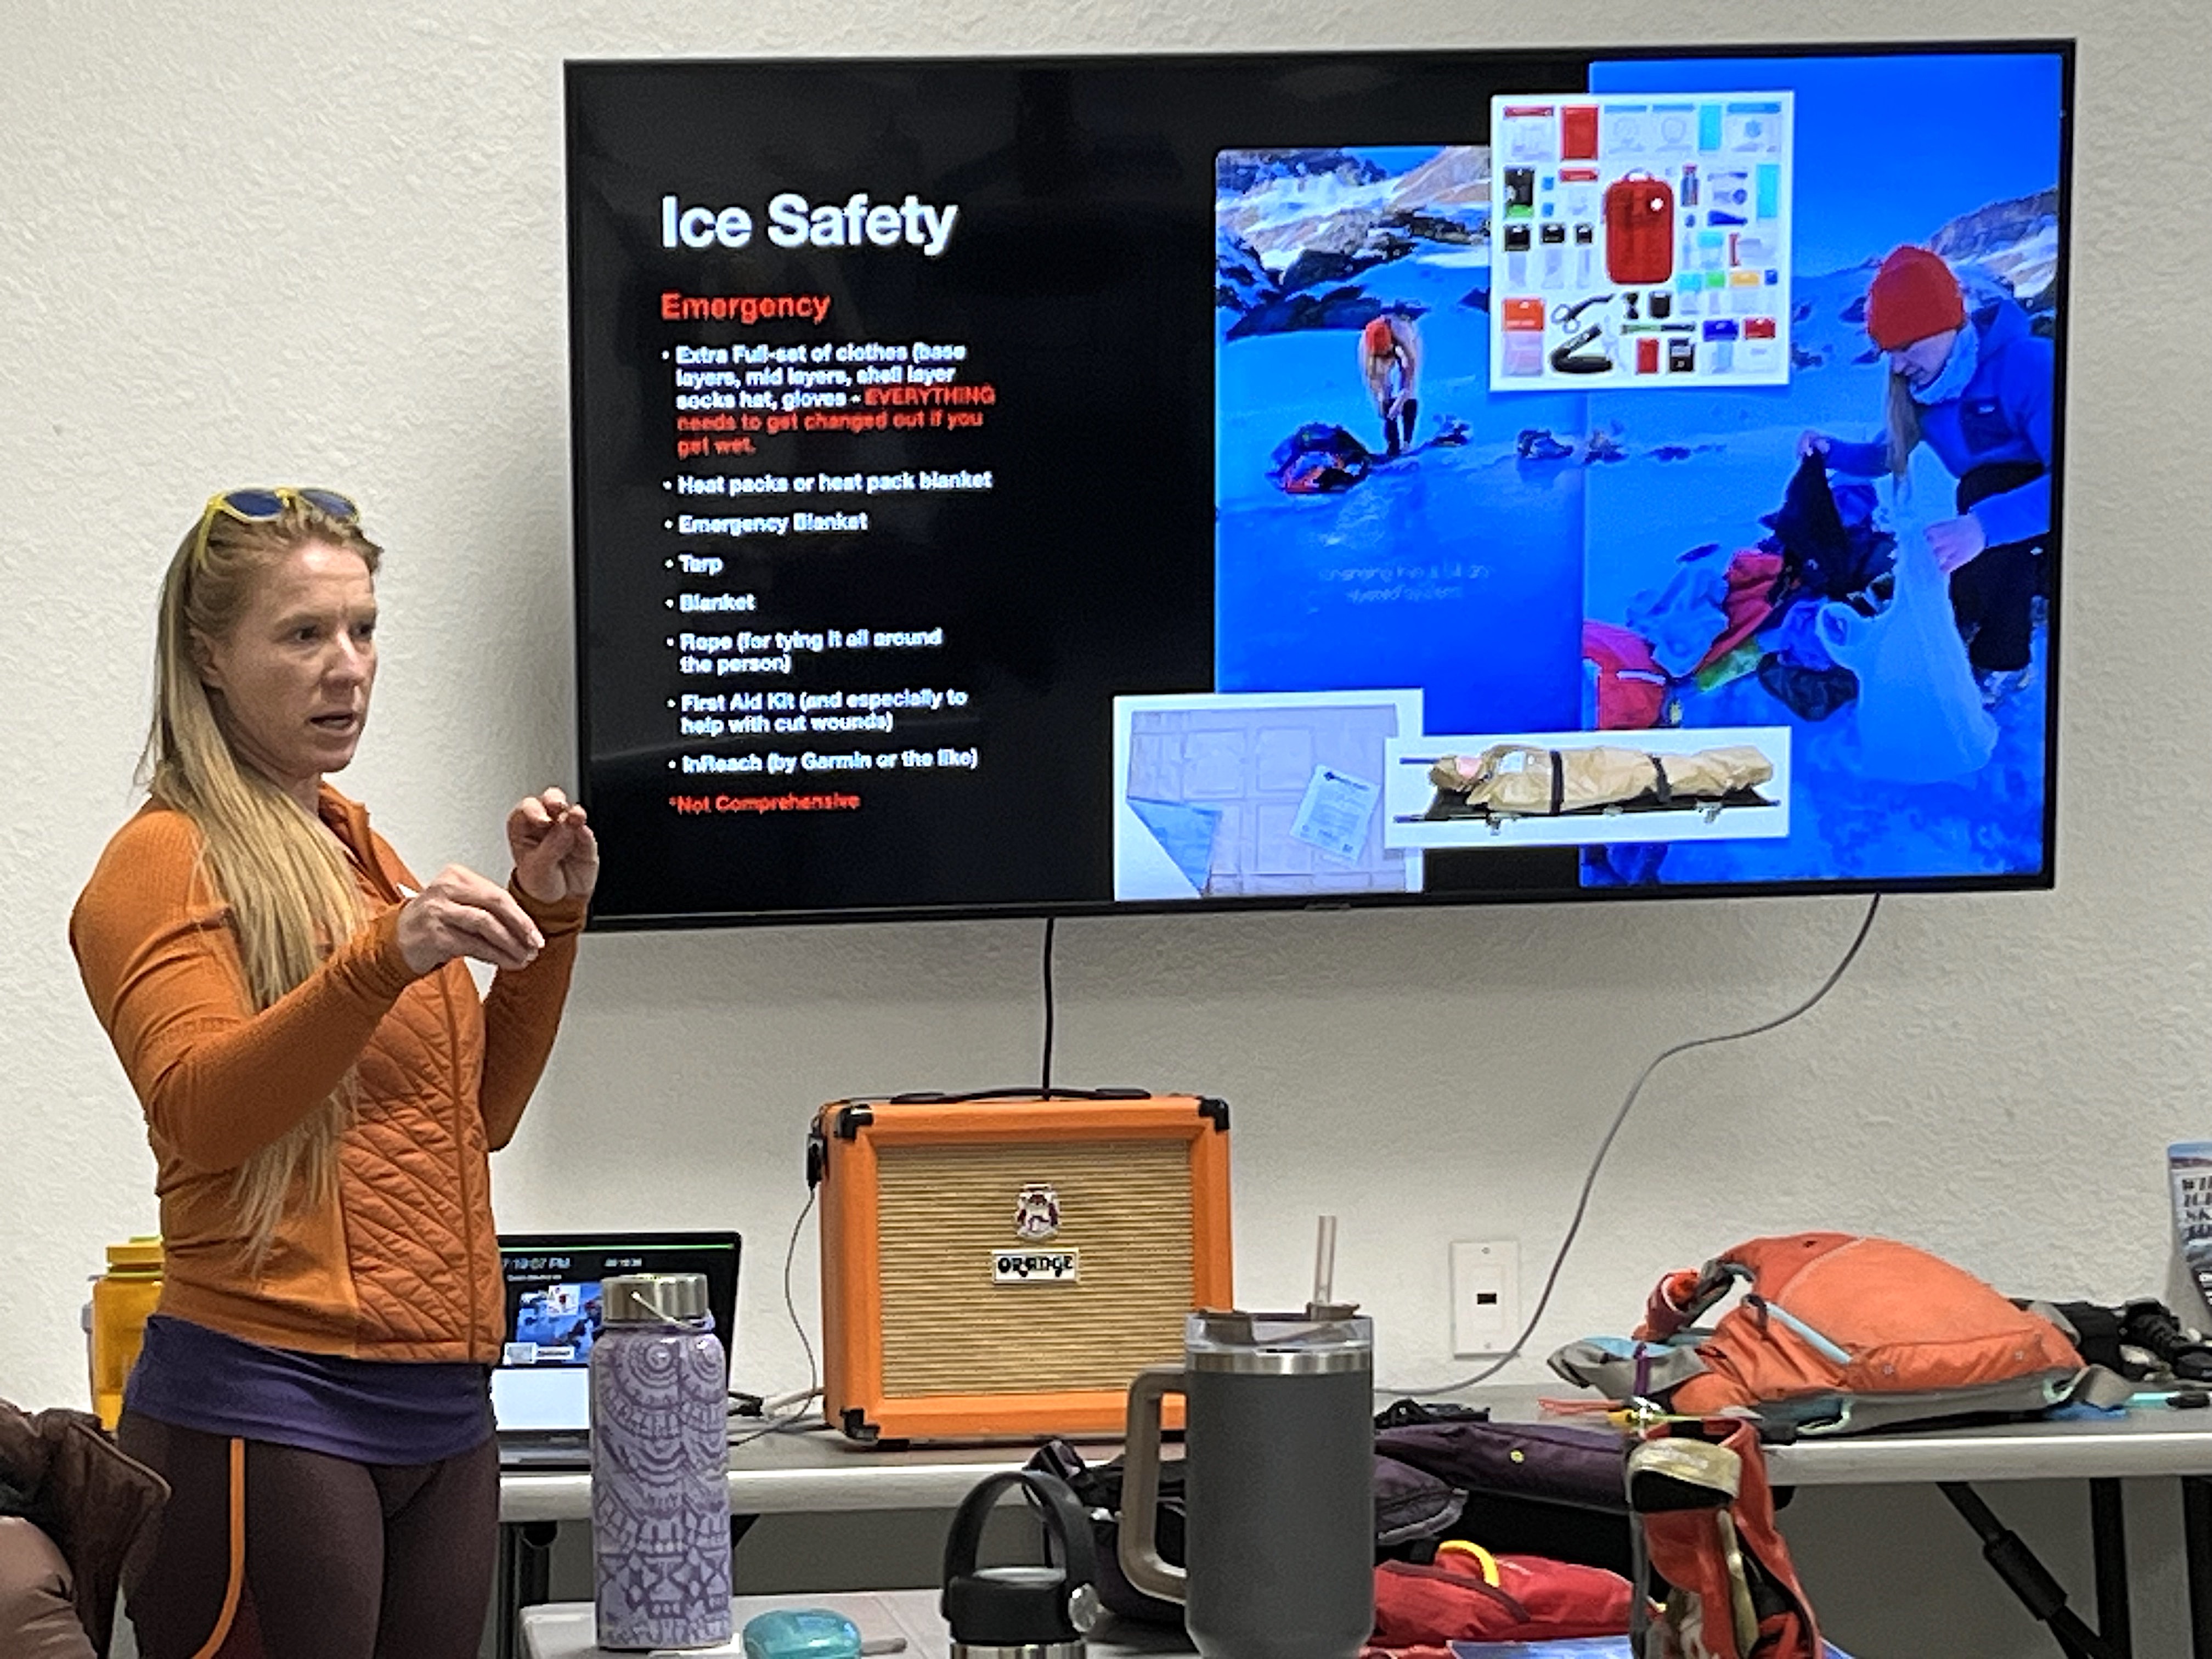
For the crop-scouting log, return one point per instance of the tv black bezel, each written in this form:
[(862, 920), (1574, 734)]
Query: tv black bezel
[(2062, 47)]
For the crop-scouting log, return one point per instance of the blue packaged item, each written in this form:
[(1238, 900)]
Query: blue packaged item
[(801, 1633)]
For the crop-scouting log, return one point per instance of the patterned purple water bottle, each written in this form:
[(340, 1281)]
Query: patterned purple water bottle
[(660, 1512)]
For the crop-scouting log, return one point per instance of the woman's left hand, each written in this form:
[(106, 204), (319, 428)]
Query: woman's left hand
[(1956, 541), (557, 856)]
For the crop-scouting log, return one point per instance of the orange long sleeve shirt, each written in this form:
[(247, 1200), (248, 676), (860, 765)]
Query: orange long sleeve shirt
[(402, 1262)]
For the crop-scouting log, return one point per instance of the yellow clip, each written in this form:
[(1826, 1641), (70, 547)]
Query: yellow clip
[(1483, 1558)]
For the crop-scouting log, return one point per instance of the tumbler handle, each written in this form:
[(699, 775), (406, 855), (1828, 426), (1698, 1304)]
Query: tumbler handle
[(1139, 1544)]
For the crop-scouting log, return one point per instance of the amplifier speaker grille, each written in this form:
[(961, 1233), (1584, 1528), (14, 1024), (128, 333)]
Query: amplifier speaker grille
[(943, 1212)]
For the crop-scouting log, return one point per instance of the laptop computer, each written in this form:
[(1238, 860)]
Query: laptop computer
[(541, 1396)]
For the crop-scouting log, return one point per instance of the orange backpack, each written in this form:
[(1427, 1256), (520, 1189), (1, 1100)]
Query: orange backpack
[(1837, 1332)]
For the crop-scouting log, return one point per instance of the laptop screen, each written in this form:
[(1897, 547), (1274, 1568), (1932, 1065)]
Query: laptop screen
[(541, 1384)]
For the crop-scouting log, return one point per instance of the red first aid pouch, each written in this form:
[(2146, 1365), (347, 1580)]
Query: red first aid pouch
[(1639, 230)]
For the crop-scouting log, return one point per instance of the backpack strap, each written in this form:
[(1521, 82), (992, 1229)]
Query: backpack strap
[(1678, 1300), (1706, 1514), (1821, 1344), (1558, 782)]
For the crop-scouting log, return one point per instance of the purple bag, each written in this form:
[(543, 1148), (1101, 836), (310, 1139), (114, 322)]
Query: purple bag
[(1556, 1462)]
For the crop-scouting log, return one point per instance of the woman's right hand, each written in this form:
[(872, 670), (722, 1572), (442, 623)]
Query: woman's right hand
[(1813, 443), (460, 914)]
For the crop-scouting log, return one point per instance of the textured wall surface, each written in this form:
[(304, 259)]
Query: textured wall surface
[(322, 242)]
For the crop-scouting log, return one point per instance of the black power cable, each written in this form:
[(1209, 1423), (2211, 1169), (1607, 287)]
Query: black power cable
[(1044, 1078)]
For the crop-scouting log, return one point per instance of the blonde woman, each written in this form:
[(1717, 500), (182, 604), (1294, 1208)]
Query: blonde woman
[(1978, 389), (322, 1085)]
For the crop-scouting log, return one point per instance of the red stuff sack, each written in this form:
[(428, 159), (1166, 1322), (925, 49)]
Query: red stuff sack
[(1639, 230), (1468, 1594)]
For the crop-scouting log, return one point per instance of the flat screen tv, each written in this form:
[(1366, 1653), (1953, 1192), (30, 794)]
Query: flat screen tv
[(1031, 487)]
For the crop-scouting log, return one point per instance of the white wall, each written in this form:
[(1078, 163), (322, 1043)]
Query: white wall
[(322, 242)]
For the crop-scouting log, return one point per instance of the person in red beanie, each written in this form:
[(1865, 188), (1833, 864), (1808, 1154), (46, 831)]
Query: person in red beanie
[(1977, 387), (1390, 363)]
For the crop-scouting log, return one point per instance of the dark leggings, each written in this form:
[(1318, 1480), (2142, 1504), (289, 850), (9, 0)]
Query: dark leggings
[(1993, 593), (341, 1560)]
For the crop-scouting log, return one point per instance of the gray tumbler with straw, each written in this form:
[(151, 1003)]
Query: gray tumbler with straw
[(1279, 1483)]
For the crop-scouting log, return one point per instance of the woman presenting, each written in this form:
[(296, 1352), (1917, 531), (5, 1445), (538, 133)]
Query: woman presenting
[(1978, 390), (322, 1085)]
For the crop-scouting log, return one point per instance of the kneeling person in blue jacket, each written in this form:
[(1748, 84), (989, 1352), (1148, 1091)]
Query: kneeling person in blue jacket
[(1978, 390)]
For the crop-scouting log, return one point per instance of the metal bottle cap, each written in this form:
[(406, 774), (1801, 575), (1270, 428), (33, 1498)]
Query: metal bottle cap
[(653, 1298)]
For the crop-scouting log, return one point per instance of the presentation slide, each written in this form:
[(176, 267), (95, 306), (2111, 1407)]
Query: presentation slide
[(1008, 486)]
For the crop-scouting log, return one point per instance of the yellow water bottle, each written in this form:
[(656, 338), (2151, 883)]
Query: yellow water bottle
[(121, 1298)]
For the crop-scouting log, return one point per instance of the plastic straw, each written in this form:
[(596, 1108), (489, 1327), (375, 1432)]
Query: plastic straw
[(1324, 1262)]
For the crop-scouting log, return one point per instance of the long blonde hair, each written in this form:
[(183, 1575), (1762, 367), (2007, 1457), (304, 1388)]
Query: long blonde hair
[(290, 894), (1903, 421)]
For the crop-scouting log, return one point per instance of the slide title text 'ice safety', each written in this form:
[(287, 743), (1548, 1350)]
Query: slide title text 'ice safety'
[(793, 222)]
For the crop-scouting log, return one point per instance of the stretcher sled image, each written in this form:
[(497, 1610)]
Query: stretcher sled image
[(1583, 788), (1510, 781)]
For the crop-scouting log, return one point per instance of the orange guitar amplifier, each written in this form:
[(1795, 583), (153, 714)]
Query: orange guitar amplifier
[(1003, 1265)]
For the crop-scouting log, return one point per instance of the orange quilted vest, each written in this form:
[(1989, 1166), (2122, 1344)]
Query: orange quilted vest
[(404, 1264)]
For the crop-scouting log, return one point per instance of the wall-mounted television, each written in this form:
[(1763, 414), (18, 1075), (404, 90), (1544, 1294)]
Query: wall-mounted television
[(1010, 486)]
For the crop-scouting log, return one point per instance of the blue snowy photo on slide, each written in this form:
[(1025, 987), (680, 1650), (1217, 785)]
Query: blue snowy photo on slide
[(1557, 561), (1383, 521), (1918, 704)]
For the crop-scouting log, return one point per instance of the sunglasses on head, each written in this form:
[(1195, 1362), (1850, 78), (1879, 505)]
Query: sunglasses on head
[(261, 506)]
